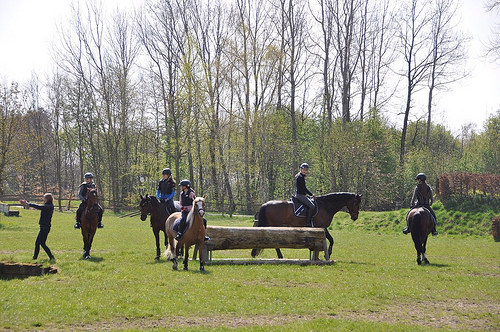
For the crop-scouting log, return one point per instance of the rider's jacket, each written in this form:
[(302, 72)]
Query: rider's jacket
[(422, 195), (186, 200), (166, 189), (82, 190), (300, 185)]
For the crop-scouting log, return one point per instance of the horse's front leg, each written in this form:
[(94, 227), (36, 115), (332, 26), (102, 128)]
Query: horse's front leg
[(157, 238), (202, 256), (86, 248), (186, 257), (330, 239)]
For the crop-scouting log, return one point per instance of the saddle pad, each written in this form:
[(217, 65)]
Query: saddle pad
[(176, 225), (299, 210)]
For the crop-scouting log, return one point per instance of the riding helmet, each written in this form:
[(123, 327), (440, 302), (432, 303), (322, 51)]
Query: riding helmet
[(421, 176), (304, 165), (89, 175), (186, 183), (167, 171)]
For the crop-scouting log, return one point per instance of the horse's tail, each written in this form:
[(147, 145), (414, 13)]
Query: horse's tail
[(416, 230), (169, 252), (261, 222), (262, 216)]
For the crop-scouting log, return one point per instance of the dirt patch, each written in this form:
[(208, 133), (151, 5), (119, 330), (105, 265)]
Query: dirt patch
[(451, 314)]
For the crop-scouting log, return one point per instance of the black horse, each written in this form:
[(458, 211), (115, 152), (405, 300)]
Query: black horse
[(281, 214), (159, 214)]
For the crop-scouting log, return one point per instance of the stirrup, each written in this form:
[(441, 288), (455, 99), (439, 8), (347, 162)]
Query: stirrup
[(78, 225), (178, 236), (406, 230), (99, 225)]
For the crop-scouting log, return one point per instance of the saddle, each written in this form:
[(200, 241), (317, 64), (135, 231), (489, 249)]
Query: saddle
[(300, 210), (176, 225)]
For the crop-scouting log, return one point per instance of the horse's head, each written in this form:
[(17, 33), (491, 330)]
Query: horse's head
[(199, 206), (146, 206), (92, 197), (353, 206)]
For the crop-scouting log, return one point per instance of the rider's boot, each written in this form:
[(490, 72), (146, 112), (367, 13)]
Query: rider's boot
[(207, 238), (406, 230), (434, 232), (309, 221), (99, 223), (78, 224)]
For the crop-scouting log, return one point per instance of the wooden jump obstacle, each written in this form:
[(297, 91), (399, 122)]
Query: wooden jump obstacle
[(5, 209), (10, 270), (226, 238)]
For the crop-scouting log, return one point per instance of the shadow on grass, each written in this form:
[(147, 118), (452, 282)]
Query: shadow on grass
[(92, 259), (355, 263)]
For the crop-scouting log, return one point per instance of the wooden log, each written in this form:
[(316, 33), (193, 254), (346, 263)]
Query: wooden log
[(22, 270), (222, 238)]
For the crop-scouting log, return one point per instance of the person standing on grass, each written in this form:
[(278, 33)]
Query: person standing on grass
[(47, 209)]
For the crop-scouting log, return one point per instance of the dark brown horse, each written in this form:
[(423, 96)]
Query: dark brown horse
[(420, 224), (280, 214), (151, 205), (89, 219), (194, 234)]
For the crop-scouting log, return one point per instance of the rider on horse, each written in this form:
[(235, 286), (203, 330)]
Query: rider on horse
[(166, 191), (186, 199), (82, 194), (422, 197), (302, 192)]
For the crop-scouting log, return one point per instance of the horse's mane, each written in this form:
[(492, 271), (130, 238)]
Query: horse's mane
[(335, 196), (190, 216)]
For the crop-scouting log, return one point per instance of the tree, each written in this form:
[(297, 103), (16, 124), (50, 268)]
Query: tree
[(417, 55), (448, 51)]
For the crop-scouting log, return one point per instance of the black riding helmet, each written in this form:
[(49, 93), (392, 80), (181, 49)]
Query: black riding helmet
[(186, 183), (89, 175), (421, 176), (304, 165), (166, 171)]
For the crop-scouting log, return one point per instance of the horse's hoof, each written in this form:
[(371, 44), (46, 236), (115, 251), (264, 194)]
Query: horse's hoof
[(202, 268), (419, 262), (157, 258), (426, 261), (87, 257), (185, 268)]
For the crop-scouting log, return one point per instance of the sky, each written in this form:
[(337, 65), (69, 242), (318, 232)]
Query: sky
[(28, 29)]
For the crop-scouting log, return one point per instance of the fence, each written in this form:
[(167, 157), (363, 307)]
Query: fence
[(468, 184)]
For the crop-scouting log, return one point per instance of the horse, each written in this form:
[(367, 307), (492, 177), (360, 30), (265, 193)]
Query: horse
[(194, 234), (420, 224), (151, 205), (278, 213), (89, 220)]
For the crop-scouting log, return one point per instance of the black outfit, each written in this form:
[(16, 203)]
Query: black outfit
[(301, 194), (165, 189), (47, 210), (82, 194)]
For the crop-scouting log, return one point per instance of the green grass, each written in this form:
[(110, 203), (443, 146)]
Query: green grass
[(375, 284)]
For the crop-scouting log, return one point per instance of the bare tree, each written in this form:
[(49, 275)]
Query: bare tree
[(493, 46), (448, 51), (417, 53)]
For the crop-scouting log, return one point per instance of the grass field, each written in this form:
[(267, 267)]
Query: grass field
[(374, 285)]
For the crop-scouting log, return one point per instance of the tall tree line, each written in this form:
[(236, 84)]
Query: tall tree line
[(234, 95)]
